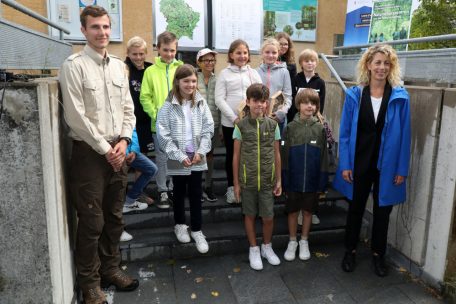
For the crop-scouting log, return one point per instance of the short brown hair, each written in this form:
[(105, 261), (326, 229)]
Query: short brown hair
[(92, 11), (257, 91), (166, 38), (182, 72), (234, 45), (308, 95)]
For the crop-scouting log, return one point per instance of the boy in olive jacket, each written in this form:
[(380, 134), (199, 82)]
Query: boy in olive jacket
[(256, 172)]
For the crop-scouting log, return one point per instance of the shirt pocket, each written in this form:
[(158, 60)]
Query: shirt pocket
[(93, 92), (119, 86)]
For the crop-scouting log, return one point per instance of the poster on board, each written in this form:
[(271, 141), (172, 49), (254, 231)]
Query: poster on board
[(66, 14), (370, 21), (237, 19), (298, 18), (187, 19)]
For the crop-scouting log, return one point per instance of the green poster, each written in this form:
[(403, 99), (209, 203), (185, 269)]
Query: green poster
[(298, 18), (390, 21)]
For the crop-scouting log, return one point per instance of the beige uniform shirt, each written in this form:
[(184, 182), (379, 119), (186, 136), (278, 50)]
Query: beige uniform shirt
[(97, 103)]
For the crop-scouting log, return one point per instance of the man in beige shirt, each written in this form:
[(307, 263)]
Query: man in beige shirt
[(100, 113)]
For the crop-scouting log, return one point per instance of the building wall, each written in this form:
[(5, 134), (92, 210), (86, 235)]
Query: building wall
[(137, 20)]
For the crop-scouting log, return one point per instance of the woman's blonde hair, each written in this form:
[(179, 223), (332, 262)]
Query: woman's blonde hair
[(270, 41), (394, 76)]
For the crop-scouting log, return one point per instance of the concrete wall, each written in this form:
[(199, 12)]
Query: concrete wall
[(419, 229), (36, 259)]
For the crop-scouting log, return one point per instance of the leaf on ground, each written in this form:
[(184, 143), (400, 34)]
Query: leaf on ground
[(183, 266), (321, 255), (193, 296), (170, 262), (236, 269), (124, 267), (402, 269), (215, 293), (189, 271), (199, 279)]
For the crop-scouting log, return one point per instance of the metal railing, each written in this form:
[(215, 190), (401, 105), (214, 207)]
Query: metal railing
[(395, 42), (33, 14), (332, 69)]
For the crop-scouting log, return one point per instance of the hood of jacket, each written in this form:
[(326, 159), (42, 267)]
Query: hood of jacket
[(162, 65), (275, 66), (311, 121), (237, 69), (132, 66)]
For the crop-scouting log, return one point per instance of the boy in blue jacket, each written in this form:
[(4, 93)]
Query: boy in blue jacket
[(305, 169)]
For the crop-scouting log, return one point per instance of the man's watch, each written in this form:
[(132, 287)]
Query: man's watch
[(127, 139)]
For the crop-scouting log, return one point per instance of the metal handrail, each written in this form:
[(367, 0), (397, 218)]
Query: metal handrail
[(403, 41), (333, 70), (32, 14)]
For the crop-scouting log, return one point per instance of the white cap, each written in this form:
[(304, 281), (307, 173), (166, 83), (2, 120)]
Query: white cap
[(204, 52)]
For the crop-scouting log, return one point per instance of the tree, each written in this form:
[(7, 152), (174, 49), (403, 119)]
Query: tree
[(433, 17)]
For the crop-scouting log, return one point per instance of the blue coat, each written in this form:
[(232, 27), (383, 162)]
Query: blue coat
[(394, 153)]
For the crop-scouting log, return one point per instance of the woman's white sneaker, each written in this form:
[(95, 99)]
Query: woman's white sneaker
[(269, 254), (255, 258), (304, 253), (182, 233), (200, 240), (290, 253)]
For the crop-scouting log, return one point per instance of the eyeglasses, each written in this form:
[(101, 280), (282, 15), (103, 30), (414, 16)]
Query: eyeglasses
[(283, 44), (209, 61)]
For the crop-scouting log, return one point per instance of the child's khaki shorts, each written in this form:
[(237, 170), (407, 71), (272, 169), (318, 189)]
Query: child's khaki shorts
[(256, 202)]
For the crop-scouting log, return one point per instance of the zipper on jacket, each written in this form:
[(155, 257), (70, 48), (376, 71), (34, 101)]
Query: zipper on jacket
[(258, 154), (245, 175), (167, 76), (268, 80)]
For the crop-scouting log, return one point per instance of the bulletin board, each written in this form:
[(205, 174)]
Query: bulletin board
[(187, 19), (66, 14), (237, 19)]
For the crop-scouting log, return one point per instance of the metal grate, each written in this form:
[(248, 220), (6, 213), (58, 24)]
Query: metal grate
[(25, 49)]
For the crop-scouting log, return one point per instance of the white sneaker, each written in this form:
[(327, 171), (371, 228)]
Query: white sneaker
[(269, 254), (304, 253), (300, 218), (182, 233), (230, 198), (255, 258), (200, 241), (315, 219), (290, 253), (163, 203), (125, 237), (134, 207)]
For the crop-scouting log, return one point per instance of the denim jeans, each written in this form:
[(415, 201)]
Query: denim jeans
[(148, 169)]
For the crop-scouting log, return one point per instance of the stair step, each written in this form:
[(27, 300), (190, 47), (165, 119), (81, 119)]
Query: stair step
[(223, 236)]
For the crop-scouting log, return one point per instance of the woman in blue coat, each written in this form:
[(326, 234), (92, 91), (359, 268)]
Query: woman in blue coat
[(374, 150)]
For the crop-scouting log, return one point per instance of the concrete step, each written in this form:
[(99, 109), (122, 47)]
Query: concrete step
[(218, 211), (224, 237)]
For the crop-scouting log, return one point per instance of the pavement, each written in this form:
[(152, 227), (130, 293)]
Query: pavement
[(229, 279)]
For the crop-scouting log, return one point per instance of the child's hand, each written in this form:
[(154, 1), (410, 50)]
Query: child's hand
[(237, 193), (278, 188), (186, 162), (196, 158)]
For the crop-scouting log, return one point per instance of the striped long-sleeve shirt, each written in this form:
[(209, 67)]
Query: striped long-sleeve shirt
[(171, 133)]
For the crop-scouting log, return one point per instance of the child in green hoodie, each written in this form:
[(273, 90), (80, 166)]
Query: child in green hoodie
[(156, 84)]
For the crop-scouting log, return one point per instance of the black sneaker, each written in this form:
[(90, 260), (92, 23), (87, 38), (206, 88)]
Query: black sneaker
[(209, 195), (163, 202)]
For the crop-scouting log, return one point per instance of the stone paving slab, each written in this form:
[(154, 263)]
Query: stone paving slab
[(229, 279)]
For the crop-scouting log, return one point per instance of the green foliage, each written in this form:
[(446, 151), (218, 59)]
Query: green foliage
[(433, 17), (180, 17)]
